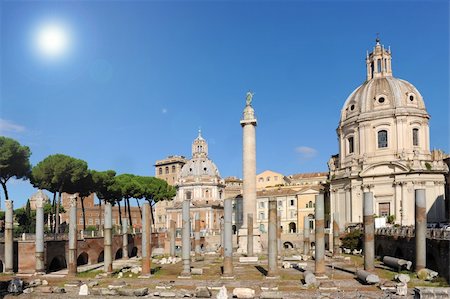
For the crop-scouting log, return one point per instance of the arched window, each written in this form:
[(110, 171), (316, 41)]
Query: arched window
[(415, 133), (167, 169), (188, 195), (310, 204), (350, 145), (382, 139), (160, 170), (173, 168)]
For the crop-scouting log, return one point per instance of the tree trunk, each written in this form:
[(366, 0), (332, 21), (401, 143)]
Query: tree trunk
[(139, 206), (5, 190), (82, 211), (120, 214), (129, 212), (57, 212)]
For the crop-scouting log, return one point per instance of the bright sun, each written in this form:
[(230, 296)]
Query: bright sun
[(52, 40)]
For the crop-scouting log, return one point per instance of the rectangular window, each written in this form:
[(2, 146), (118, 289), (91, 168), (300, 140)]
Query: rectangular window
[(90, 221), (382, 139), (97, 221), (261, 215), (261, 204), (292, 203), (350, 145), (415, 137), (384, 209), (280, 204)]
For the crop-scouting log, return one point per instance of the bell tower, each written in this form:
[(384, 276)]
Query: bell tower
[(379, 62), (199, 147)]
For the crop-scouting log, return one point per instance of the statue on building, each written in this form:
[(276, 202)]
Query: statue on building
[(249, 98)]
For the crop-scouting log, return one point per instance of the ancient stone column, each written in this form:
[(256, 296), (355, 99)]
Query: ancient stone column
[(250, 234), (125, 238), (197, 234), (228, 238), (172, 237), (306, 242), (335, 234), (107, 239), (369, 230), (73, 238), (146, 240), (9, 239), (320, 240), (421, 229), (39, 243), (186, 240), (248, 124), (279, 231), (273, 242)]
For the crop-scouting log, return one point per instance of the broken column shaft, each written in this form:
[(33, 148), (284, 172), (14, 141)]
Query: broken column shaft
[(9, 239), (186, 239), (172, 237), (197, 234), (125, 238), (396, 263), (39, 244), (73, 239), (421, 229), (306, 235), (320, 240), (273, 242), (107, 238), (146, 240), (335, 234), (369, 230), (228, 239)]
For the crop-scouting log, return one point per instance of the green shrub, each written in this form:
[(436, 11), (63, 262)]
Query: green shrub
[(353, 240)]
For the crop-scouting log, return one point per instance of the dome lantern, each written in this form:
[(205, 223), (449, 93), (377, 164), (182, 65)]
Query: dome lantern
[(378, 62)]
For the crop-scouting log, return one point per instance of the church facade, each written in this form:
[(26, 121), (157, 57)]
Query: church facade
[(384, 148)]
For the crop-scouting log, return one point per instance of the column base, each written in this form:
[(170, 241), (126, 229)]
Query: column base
[(242, 241)]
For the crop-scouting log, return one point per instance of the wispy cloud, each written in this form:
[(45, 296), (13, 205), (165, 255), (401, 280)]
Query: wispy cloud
[(306, 152), (7, 126)]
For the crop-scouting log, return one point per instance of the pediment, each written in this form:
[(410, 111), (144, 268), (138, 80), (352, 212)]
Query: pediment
[(384, 168)]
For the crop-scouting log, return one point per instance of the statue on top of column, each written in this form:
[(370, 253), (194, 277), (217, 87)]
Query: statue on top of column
[(249, 98)]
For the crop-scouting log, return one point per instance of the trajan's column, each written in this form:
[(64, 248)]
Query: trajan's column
[(248, 124)]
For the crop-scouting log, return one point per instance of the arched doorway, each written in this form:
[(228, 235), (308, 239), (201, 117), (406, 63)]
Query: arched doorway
[(57, 263), (288, 245), (101, 257), (83, 259), (133, 252), (292, 228), (118, 254)]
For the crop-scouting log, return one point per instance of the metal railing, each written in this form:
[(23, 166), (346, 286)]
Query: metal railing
[(409, 232)]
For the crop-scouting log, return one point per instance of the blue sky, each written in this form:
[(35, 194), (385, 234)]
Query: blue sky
[(139, 78)]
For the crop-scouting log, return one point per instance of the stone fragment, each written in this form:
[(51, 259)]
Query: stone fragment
[(44, 282), (28, 291), (248, 259), (58, 290), (108, 292), (305, 257), (84, 290), (35, 283), (45, 290), (367, 277), (244, 293), (309, 278), (270, 295), (117, 284), (389, 286), (300, 266), (426, 274), (15, 286), (136, 270), (120, 275), (402, 278), (402, 289), (167, 294), (223, 294), (202, 292), (286, 265), (327, 285), (73, 283), (196, 271), (92, 283)]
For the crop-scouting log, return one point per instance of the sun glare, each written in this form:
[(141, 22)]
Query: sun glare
[(52, 40)]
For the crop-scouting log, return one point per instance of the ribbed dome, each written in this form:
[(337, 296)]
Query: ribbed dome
[(386, 94), (199, 167)]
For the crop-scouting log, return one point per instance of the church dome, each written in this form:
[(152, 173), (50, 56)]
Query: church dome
[(382, 94), (199, 167)]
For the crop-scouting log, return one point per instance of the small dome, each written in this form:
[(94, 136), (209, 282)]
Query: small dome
[(199, 167), (382, 94)]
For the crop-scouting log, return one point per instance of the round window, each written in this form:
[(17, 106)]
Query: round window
[(411, 98), (352, 107), (381, 100)]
